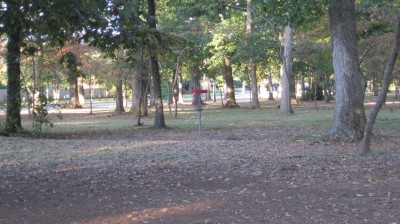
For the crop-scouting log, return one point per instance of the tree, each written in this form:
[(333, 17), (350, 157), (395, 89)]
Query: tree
[(230, 89), (159, 121), (71, 63), (139, 87), (387, 76), (54, 20), (287, 71), (14, 28), (252, 63), (349, 113)]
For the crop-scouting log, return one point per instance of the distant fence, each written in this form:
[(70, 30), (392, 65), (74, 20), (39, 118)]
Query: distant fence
[(64, 94)]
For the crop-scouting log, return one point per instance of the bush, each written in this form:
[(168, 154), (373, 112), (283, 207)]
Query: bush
[(40, 115)]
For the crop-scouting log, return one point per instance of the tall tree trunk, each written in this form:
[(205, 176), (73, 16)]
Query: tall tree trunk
[(136, 89), (180, 88), (159, 121), (145, 90), (230, 89), (151, 89), (119, 98), (287, 71), (81, 93), (349, 115), (13, 117), (270, 87), (73, 94), (255, 103), (175, 90), (387, 75)]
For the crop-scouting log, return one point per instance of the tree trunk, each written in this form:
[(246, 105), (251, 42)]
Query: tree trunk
[(255, 103), (119, 98), (382, 94), (159, 121), (175, 91), (13, 117), (286, 73), (136, 90), (73, 94), (151, 89), (270, 86), (145, 90), (180, 88), (81, 93), (230, 89), (349, 114)]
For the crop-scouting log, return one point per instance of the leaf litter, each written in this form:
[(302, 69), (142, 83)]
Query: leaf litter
[(257, 175)]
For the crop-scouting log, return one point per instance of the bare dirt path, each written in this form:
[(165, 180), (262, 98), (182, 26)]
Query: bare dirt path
[(274, 175)]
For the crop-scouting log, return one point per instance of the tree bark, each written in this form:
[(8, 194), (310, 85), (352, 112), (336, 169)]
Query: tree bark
[(119, 98), (270, 87), (159, 120), (145, 90), (139, 89), (387, 75), (349, 114), (180, 88), (73, 94), (230, 89), (13, 117), (255, 103), (286, 73), (81, 93), (136, 89)]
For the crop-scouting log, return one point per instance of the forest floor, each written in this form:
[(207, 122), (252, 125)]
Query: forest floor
[(261, 174)]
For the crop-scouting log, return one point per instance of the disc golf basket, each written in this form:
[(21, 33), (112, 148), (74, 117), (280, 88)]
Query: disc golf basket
[(198, 104)]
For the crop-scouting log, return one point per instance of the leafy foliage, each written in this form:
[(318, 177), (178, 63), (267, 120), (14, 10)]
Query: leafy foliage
[(40, 115)]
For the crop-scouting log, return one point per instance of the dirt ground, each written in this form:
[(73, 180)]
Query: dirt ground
[(252, 175)]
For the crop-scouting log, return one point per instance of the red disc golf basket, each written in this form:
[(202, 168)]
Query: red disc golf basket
[(198, 104)]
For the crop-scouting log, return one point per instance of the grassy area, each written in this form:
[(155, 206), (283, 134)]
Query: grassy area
[(214, 117)]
